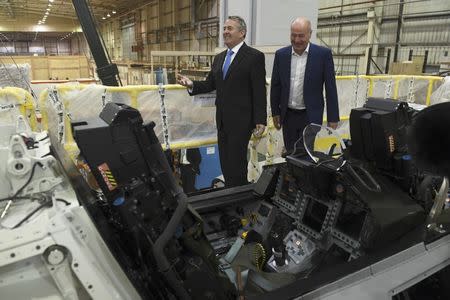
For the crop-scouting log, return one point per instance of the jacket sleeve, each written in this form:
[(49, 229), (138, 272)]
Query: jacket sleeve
[(330, 89), (275, 88), (208, 85), (259, 91)]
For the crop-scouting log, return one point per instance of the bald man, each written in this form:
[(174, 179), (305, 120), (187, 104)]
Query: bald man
[(300, 72)]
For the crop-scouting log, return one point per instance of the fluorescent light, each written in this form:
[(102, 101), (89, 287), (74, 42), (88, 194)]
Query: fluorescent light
[(47, 13)]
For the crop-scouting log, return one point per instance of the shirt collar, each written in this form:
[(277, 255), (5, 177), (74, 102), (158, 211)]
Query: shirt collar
[(236, 48), (306, 50)]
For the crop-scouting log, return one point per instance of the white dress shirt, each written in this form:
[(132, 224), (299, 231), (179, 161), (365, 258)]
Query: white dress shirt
[(298, 66), (235, 50)]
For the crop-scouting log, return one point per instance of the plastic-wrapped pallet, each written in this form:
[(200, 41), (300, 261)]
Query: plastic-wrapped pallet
[(442, 93), (15, 76)]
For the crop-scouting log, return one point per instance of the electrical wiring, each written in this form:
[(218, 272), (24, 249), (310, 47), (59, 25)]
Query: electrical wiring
[(67, 203), (14, 197), (46, 203)]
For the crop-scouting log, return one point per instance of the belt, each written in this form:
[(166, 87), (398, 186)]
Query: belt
[(297, 110)]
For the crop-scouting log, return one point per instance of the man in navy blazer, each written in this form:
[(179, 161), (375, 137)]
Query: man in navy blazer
[(300, 72), (238, 76)]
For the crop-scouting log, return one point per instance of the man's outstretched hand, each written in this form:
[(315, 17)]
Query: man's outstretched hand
[(184, 81)]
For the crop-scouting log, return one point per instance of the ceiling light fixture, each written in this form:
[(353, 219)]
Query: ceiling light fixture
[(114, 12), (51, 1), (108, 15), (103, 18)]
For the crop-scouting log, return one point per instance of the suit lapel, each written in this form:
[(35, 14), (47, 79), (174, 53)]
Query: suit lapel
[(288, 59), (308, 67), (221, 61), (237, 59)]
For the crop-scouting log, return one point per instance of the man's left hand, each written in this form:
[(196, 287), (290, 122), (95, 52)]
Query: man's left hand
[(259, 129), (333, 125)]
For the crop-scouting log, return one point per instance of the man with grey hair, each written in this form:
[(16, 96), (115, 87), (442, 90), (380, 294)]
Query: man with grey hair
[(238, 75), (300, 72)]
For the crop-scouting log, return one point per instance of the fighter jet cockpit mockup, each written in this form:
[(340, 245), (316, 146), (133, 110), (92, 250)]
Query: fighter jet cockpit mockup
[(339, 219)]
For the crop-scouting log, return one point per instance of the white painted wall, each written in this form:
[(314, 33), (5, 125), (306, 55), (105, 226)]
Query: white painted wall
[(268, 21)]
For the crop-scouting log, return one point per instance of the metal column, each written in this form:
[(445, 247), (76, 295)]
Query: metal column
[(107, 71), (399, 28)]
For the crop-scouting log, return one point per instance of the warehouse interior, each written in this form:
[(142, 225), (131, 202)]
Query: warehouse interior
[(113, 181), (396, 31)]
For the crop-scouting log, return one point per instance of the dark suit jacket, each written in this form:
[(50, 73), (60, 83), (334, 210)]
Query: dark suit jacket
[(241, 97), (319, 71)]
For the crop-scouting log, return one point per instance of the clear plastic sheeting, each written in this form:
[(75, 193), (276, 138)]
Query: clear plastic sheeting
[(413, 90), (189, 118), (442, 93), (87, 102), (183, 121), (54, 121), (12, 75), (9, 109), (149, 104), (352, 92), (14, 102), (383, 87), (188, 121)]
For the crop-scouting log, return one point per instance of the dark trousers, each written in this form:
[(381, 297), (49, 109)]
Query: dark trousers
[(188, 176), (293, 124), (233, 156)]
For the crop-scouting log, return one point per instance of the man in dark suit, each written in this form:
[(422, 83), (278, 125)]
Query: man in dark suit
[(300, 72), (238, 75)]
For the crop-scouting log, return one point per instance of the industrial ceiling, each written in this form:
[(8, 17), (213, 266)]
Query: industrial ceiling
[(17, 9)]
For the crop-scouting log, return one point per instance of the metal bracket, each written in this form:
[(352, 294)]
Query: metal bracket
[(55, 259)]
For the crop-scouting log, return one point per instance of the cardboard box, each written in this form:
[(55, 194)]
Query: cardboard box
[(407, 67)]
